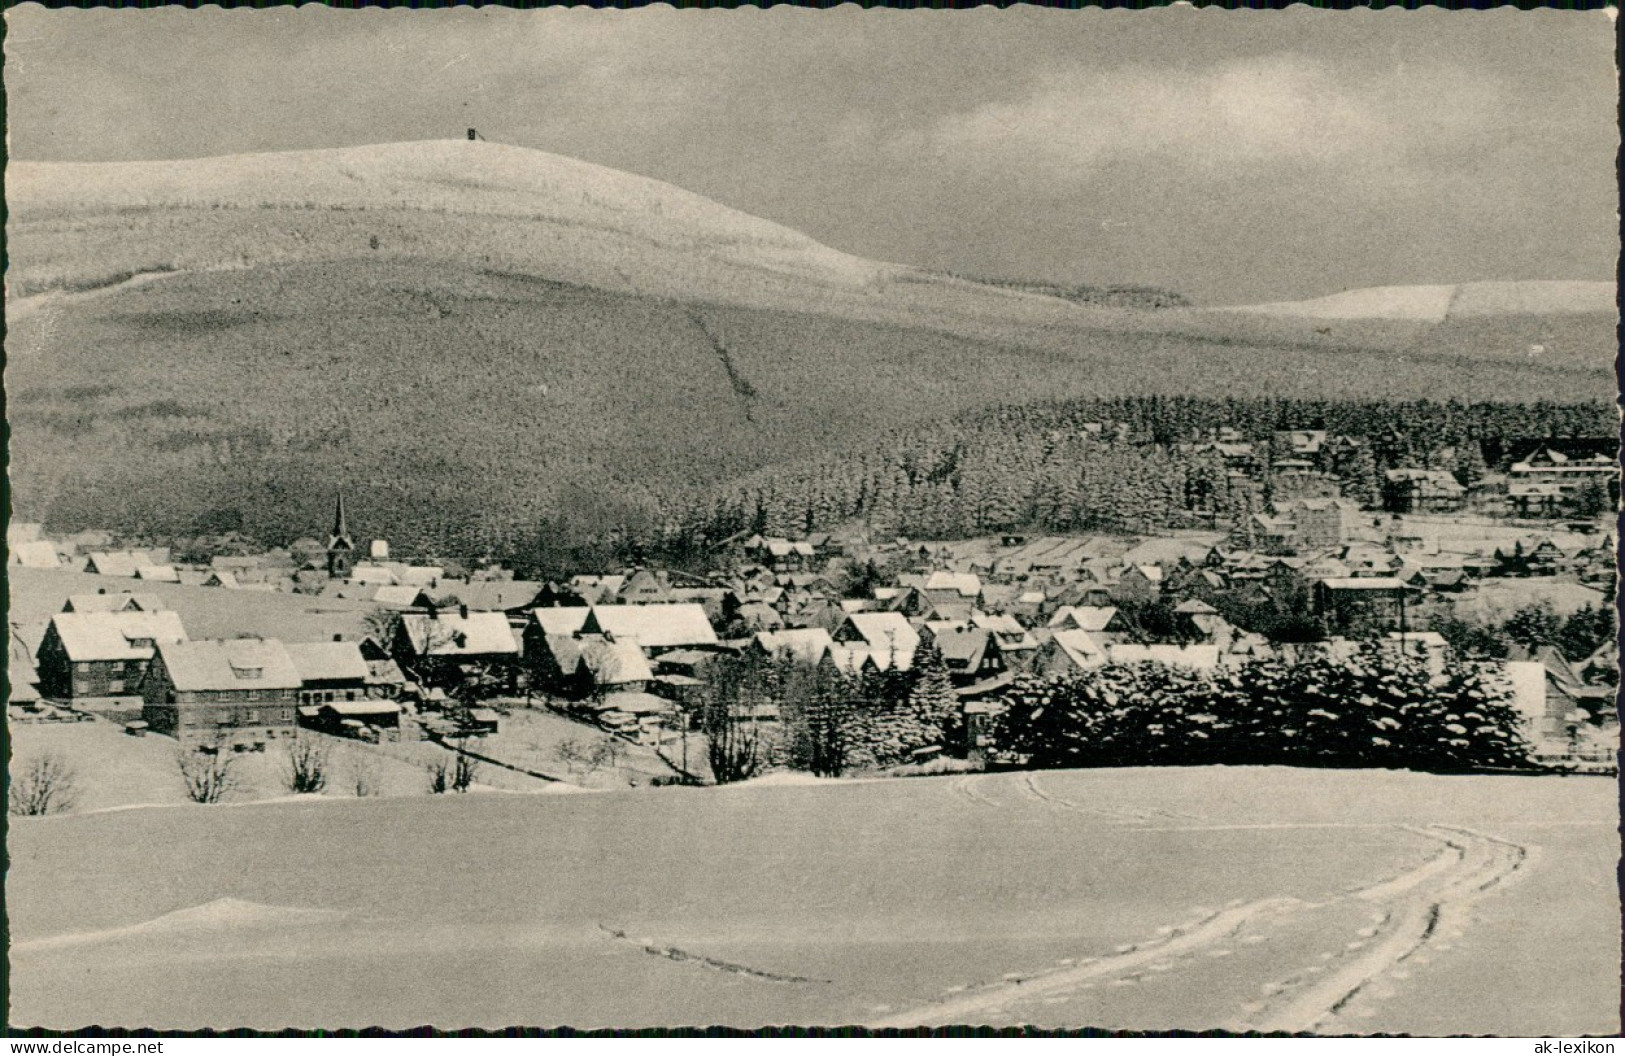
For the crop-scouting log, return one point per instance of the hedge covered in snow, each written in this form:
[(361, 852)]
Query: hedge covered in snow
[(1365, 712)]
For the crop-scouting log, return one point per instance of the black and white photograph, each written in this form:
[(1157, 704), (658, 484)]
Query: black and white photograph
[(1070, 520)]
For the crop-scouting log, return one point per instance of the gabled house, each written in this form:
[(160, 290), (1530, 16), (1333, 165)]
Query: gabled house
[(332, 672), (122, 601), (239, 691), (445, 650), (1069, 651), (1015, 642), (157, 573), (757, 616), (554, 662), (645, 587), (596, 590), (1569, 462), (971, 656), (607, 665), (656, 628), (824, 613), (1203, 623), (1138, 583), (1092, 618), (122, 563), (885, 634), (102, 654), (1411, 490)]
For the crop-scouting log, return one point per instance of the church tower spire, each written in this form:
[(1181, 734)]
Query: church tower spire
[(340, 545)]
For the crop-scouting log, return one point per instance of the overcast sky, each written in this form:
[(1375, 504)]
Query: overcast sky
[(1233, 156)]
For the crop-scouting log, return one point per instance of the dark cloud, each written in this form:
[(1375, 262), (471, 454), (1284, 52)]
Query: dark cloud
[(1235, 156)]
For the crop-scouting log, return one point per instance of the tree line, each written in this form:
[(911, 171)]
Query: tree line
[(1373, 711), (1125, 464)]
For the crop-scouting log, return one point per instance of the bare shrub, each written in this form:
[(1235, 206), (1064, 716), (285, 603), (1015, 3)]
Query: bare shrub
[(588, 756), (42, 784), (307, 765), (440, 776), (464, 767), (364, 776), (207, 772)]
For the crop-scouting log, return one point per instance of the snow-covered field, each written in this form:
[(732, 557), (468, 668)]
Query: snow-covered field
[(1269, 899)]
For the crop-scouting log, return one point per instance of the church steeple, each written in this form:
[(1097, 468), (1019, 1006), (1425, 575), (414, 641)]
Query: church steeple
[(340, 546)]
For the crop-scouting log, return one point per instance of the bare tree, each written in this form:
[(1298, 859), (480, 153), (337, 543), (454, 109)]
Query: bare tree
[(728, 715), (588, 756), (207, 772), (43, 784), (380, 626), (464, 767), (307, 765), (363, 776)]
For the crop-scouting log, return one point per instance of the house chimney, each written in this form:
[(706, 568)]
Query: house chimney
[(101, 590), (462, 611), (338, 637)]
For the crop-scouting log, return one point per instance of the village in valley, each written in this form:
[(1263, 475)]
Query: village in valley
[(840, 652), (528, 521)]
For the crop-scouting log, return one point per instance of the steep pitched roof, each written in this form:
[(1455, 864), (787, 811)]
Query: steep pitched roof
[(964, 649), (1083, 617), (1008, 629), (614, 663), (887, 632), (566, 650), (234, 663), (451, 634), (116, 563), (328, 661), (1080, 647), (114, 635), (565, 620), (112, 602), (654, 626)]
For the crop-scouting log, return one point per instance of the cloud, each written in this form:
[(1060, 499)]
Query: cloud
[(1280, 110)]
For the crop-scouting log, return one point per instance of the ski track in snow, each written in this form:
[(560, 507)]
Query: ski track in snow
[(1410, 911)]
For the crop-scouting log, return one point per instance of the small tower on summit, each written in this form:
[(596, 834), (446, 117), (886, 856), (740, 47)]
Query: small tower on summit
[(340, 545)]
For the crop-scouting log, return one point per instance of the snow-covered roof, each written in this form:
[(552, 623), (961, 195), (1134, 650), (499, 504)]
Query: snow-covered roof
[(654, 626), (233, 663), (127, 635), (452, 634), (328, 661)]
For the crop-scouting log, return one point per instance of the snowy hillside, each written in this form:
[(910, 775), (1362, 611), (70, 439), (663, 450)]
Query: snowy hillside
[(437, 176), (1435, 304)]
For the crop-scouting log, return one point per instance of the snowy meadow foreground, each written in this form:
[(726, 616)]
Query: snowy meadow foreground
[(1242, 899)]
